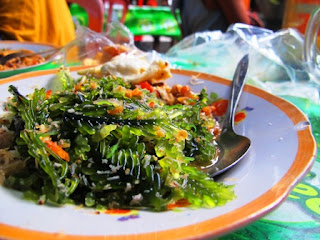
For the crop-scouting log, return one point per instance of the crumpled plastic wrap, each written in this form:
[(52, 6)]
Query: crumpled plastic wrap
[(276, 61), (92, 48), (114, 53)]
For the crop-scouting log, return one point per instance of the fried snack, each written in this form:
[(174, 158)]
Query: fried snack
[(135, 69)]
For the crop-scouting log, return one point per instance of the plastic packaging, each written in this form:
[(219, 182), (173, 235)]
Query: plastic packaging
[(92, 48), (276, 58), (311, 53)]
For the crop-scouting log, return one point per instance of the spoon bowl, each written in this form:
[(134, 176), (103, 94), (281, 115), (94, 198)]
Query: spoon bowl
[(231, 146)]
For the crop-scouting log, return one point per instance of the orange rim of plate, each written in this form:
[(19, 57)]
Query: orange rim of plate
[(224, 223)]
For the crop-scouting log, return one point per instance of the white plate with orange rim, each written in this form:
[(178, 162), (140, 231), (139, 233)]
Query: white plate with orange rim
[(282, 151), (35, 47)]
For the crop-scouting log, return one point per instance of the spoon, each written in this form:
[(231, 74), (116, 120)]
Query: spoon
[(232, 147)]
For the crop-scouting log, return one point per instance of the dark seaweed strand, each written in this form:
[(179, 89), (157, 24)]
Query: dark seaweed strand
[(14, 91), (108, 120)]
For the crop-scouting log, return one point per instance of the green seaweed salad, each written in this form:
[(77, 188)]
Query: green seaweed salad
[(105, 144)]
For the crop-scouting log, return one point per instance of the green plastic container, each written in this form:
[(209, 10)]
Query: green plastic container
[(156, 21)]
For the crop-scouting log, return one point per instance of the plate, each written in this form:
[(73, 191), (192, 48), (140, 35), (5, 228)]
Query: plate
[(283, 150), (36, 47)]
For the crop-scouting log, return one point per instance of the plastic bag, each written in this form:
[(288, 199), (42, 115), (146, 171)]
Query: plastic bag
[(276, 61), (92, 48)]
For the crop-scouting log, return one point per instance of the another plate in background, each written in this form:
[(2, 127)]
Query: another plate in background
[(35, 47)]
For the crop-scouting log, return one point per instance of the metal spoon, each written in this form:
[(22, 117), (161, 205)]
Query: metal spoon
[(232, 146)]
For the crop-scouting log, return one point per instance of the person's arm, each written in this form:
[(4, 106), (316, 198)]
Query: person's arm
[(234, 10)]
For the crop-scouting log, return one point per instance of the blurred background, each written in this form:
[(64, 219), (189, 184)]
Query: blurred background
[(155, 27)]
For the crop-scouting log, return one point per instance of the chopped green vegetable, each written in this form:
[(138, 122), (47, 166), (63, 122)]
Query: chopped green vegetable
[(92, 144)]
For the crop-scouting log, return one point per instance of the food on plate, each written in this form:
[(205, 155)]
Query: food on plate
[(106, 54), (133, 68), (19, 62), (109, 143)]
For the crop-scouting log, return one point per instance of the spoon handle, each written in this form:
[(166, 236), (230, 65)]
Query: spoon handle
[(236, 89)]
